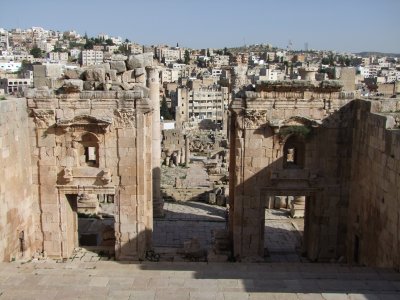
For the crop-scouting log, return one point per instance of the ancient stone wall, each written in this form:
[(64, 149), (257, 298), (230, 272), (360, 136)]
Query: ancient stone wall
[(17, 230), (92, 143), (374, 210), (263, 126)]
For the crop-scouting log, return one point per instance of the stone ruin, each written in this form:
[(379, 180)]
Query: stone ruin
[(117, 73), (336, 158), (96, 152)]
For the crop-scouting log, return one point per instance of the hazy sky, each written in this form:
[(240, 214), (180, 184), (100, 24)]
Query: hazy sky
[(343, 25)]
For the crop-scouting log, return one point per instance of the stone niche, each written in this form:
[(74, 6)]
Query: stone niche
[(88, 146)]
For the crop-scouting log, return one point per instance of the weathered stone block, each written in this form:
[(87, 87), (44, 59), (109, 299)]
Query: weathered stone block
[(119, 66)]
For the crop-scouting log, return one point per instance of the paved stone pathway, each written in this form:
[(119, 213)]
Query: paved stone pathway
[(195, 281), (282, 236), (186, 220)]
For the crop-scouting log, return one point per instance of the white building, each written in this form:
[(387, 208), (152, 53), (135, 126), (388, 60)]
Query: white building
[(169, 75), (45, 46), (10, 66), (75, 53), (14, 85), (208, 103), (57, 56), (91, 57), (169, 55)]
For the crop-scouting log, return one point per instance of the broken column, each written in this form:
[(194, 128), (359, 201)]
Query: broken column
[(153, 84)]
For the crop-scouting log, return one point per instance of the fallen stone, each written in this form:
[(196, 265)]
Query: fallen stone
[(128, 77), (140, 61), (88, 85), (141, 78), (112, 75), (72, 74), (119, 66), (139, 71), (95, 74), (72, 86)]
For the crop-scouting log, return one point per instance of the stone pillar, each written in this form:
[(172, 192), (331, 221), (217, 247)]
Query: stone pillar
[(153, 84), (178, 157), (297, 207), (187, 151)]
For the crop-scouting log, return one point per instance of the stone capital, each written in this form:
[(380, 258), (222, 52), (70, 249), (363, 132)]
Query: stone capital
[(254, 119), (125, 118)]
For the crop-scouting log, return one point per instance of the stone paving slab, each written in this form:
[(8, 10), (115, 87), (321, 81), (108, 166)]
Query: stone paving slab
[(186, 220), (163, 280)]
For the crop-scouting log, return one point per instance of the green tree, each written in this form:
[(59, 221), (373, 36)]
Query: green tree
[(325, 61), (36, 52), (208, 53), (25, 66), (186, 57), (89, 44), (164, 110), (109, 42)]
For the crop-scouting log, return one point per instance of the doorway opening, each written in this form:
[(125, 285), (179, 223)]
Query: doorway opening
[(91, 224), (284, 224)]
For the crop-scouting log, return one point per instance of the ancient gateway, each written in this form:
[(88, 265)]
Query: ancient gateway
[(74, 161), (337, 159)]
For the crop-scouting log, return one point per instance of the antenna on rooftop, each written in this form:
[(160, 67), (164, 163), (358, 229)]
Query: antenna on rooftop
[(289, 45)]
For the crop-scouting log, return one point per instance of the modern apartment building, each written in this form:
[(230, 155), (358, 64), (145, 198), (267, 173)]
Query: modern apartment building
[(91, 57)]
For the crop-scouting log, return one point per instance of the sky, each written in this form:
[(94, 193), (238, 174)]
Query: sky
[(339, 25)]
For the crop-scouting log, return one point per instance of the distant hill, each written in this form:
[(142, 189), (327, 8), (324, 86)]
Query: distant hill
[(373, 53)]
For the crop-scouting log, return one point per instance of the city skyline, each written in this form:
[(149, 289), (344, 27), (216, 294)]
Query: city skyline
[(340, 26)]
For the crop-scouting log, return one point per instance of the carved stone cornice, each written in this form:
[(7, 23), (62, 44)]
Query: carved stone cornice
[(44, 118), (85, 121), (254, 119), (125, 118)]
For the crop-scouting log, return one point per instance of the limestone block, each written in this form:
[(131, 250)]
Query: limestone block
[(88, 86), (128, 180), (105, 66), (112, 75), (39, 71), (39, 82), (141, 78), (72, 86), (119, 66), (46, 140), (53, 71), (72, 74), (140, 71), (95, 74), (116, 87), (128, 76), (140, 61), (130, 228)]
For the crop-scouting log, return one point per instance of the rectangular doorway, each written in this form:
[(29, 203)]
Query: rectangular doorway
[(284, 228), (91, 224)]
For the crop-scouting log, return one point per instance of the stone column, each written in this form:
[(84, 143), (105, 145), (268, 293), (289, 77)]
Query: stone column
[(153, 84), (187, 151), (297, 207)]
